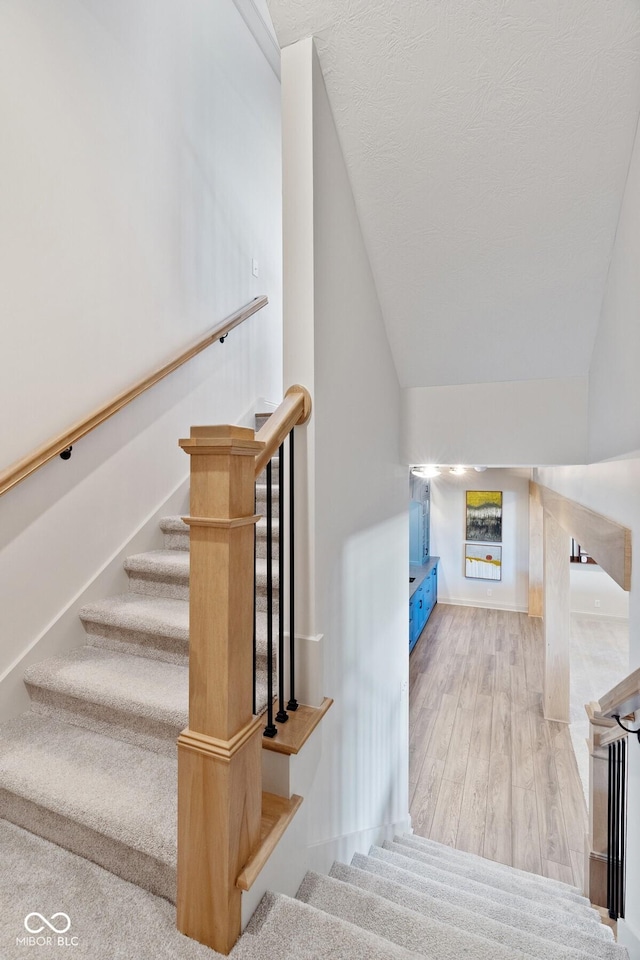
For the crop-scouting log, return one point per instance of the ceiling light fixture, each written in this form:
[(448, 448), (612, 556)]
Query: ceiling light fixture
[(427, 471), (458, 471), (480, 469)]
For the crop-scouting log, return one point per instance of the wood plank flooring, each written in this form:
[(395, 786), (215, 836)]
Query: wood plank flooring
[(487, 773)]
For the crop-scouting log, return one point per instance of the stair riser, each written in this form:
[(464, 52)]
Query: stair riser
[(275, 472), (180, 541), (179, 589), (177, 540), (159, 737), (132, 865), (128, 727), (122, 640), (261, 502), (167, 649)]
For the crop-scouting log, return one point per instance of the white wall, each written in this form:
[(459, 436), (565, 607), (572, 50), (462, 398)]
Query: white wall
[(356, 540), (594, 592), (448, 499), (508, 423), (614, 384), (141, 173), (613, 489)]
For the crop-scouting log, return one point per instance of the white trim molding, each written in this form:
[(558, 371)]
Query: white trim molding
[(262, 32), (459, 602)]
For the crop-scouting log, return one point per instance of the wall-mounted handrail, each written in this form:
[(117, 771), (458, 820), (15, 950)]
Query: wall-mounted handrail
[(37, 458), (624, 698)]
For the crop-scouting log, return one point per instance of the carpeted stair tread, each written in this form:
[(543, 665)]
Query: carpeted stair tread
[(145, 626), (172, 566), (94, 779), (138, 699), (421, 934), (555, 887), (261, 499), (111, 918), (284, 927), (531, 936), (511, 911), (484, 873), (132, 611), (108, 800), (456, 881), (155, 627)]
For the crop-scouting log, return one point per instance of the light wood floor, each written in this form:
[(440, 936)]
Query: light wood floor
[(487, 773)]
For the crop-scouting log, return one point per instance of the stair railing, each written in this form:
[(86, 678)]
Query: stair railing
[(617, 827), (274, 432), (606, 841), (219, 754), (62, 444)]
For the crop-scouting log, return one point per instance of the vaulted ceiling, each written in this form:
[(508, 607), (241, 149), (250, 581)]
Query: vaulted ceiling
[(488, 143)]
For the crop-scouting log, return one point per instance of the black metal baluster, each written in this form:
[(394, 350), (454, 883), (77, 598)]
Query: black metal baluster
[(270, 730), (282, 716), (255, 634), (616, 831), (293, 703), (610, 833), (613, 911), (623, 822)]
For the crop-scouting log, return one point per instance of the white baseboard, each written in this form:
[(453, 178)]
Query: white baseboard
[(629, 938), (486, 605), (65, 632)]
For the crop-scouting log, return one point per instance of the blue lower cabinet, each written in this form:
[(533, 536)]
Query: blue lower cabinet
[(421, 604)]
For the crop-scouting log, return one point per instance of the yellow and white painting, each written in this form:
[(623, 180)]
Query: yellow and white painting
[(483, 561), (484, 515)]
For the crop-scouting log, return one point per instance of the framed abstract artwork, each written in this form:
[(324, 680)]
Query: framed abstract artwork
[(484, 516), (482, 561)]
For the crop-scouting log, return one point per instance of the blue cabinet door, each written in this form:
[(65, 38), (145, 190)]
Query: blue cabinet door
[(421, 609), (421, 604)]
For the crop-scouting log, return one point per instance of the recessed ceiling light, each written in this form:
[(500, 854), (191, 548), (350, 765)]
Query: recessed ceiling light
[(480, 469), (458, 471)]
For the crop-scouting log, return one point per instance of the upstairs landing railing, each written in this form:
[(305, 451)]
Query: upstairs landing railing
[(611, 725)]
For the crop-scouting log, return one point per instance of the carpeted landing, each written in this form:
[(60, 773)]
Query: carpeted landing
[(394, 903)]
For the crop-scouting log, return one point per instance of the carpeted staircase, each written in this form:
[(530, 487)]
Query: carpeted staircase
[(92, 768), (92, 765), (404, 900)]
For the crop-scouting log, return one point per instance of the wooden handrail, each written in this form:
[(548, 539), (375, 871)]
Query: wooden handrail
[(294, 410), (624, 698), (37, 458)]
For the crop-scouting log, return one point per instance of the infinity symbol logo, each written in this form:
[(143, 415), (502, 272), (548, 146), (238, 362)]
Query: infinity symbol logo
[(46, 922)]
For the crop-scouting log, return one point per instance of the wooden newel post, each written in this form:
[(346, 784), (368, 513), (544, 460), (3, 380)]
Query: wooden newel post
[(219, 754)]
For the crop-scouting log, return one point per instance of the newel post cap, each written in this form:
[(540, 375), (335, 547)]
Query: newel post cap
[(222, 439)]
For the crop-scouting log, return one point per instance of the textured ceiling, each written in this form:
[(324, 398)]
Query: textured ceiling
[(488, 143)]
